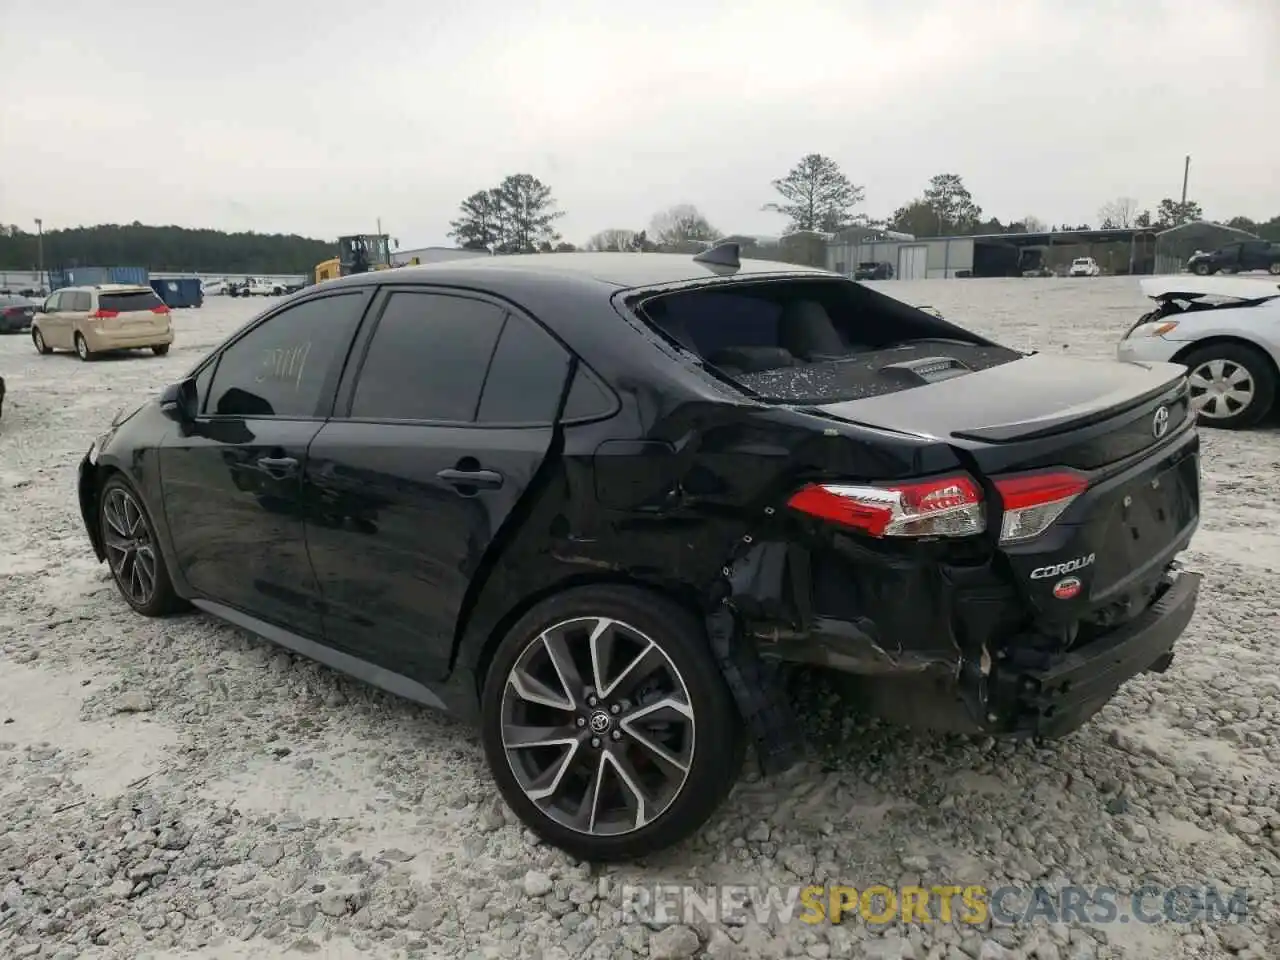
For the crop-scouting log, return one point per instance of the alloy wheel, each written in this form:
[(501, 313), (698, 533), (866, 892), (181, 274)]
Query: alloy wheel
[(597, 726), (130, 546), (82, 348), (1220, 388)]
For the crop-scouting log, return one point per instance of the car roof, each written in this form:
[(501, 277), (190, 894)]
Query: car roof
[(107, 288), (616, 270)]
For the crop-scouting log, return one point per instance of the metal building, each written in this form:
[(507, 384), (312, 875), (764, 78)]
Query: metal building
[(433, 255), (993, 255)]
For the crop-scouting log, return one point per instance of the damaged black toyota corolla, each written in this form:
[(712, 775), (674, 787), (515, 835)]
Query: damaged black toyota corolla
[(589, 501)]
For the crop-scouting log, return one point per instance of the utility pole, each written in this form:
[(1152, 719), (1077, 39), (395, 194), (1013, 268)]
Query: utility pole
[(40, 250), (1186, 171)]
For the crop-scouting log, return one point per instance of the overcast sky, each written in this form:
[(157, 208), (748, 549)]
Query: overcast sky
[(319, 117)]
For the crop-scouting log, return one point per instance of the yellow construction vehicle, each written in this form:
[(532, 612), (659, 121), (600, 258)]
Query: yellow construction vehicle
[(357, 254)]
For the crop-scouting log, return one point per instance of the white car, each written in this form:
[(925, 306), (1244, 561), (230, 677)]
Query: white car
[(1084, 267), (1226, 330)]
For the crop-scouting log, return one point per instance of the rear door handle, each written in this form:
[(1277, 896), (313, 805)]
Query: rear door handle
[(278, 466), (480, 479)]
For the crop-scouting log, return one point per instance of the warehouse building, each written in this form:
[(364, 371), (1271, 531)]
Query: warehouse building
[(1117, 252), (433, 255), (994, 255)]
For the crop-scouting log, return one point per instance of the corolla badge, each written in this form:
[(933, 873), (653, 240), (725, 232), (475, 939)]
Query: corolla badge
[(1160, 423)]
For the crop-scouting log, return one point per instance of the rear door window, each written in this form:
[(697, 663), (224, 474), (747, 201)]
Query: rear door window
[(129, 302), (281, 367), (81, 302), (526, 376), (427, 358)]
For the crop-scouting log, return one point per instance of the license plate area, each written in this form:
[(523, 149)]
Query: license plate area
[(1145, 517)]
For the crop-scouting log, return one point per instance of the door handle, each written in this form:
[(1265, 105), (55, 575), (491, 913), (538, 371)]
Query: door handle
[(278, 466), (480, 479)]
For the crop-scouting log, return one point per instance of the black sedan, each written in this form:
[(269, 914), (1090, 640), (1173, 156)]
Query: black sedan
[(16, 314), (591, 501)]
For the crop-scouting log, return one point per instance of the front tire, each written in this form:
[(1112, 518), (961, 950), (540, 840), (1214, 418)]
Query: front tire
[(607, 724), (1201, 269), (1274, 269), (160, 349), (82, 348), (1232, 385), (133, 553), (37, 338)]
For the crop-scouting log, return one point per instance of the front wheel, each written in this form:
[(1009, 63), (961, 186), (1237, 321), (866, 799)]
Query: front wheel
[(1232, 385), (129, 538), (1274, 269), (607, 724), (160, 349), (1201, 269), (37, 338)]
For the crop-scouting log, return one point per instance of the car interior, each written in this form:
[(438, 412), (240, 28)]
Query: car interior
[(791, 336)]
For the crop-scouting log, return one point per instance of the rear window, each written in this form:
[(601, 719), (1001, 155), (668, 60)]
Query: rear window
[(129, 302), (15, 302), (809, 341)]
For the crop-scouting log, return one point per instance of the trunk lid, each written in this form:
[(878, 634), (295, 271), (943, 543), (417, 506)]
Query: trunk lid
[(1037, 411), (1125, 427)]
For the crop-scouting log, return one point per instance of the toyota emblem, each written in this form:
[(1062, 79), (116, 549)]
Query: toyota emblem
[(1160, 423)]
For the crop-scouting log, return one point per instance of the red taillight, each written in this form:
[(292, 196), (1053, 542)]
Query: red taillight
[(946, 507), (1032, 502), (160, 308), (104, 314)]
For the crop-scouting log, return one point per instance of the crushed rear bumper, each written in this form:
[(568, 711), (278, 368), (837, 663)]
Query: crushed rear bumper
[(1057, 695)]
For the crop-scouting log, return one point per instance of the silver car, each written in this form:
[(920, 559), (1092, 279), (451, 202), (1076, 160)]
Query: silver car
[(1226, 330)]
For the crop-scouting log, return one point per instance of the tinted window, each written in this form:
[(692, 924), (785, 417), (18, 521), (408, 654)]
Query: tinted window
[(526, 376), (586, 398), (716, 321), (203, 379), (128, 302), (427, 359), (279, 368)]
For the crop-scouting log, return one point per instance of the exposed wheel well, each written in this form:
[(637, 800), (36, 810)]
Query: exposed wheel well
[(685, 597), (89, 503)]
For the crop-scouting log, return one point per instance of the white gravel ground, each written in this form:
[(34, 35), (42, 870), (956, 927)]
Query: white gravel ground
[(180, 789)]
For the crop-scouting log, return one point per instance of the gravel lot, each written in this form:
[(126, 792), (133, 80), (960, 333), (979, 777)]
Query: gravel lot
[(180, 789)]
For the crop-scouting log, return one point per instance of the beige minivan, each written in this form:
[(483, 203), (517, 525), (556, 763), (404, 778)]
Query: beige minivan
[(102, 319)]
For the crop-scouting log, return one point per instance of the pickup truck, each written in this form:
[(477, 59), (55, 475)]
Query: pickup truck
[(1239, 257), (256, 287)]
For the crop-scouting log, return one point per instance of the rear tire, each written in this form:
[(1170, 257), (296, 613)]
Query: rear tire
[(37, 338), (133, 551), (1239, 380), (82, 348), (160, 349), (676, 763)]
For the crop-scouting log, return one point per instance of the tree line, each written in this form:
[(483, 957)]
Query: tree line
[(164, 249), (520, 215)]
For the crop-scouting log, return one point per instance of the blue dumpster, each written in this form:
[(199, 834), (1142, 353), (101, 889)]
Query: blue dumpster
[(179, 291)]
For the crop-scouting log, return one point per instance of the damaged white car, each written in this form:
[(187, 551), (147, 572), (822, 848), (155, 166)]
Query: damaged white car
[(1226, 330)]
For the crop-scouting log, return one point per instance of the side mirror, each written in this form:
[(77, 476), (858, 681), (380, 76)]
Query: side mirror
[(181, 401)]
